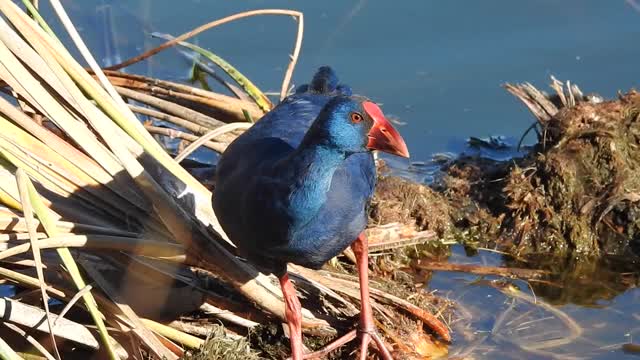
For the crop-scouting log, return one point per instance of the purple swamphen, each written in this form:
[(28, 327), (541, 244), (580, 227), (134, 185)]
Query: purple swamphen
[(294, 188)]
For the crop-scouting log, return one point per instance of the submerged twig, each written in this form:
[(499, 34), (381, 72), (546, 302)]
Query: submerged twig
[(574, 328), (525, 274)]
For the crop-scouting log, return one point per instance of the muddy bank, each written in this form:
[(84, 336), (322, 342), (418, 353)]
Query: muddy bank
[(575, 192)]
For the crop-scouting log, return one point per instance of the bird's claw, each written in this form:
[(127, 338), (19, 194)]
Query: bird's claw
[(366, 335)]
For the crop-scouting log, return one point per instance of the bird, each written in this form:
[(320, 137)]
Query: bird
[(295, 187)]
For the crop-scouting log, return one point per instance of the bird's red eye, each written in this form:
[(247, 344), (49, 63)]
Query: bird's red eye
[(356, 117)]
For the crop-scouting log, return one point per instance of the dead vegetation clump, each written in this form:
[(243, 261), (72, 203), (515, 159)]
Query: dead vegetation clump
[(397, 200), (576, 191)]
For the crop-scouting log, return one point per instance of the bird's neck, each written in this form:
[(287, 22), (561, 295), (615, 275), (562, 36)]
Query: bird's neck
[(310, 169)]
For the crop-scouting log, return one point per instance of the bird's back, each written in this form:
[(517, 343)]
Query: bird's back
[(291, 119), (254, 222)]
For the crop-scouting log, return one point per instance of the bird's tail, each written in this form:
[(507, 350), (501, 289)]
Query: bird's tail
[(325, 81)]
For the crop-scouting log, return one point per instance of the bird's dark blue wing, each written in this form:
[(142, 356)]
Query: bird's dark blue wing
[(291, 119), (252, 219)]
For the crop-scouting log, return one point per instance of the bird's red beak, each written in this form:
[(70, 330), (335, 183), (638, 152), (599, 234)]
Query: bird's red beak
[(382, 135)]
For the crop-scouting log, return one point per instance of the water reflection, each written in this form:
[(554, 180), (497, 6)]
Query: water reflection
[(584, 310)]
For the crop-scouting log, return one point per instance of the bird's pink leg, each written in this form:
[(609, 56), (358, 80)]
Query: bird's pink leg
[(367, 327), (293, 315), (368, 331)]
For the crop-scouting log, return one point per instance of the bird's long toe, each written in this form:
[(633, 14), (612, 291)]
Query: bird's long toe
[(332, 346), (382, 347), (366, 337), (367, 334)]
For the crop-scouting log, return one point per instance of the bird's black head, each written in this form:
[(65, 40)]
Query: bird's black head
[(355, 124)]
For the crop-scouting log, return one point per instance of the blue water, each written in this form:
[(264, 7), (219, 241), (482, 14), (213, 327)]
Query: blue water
[(437, 66)]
